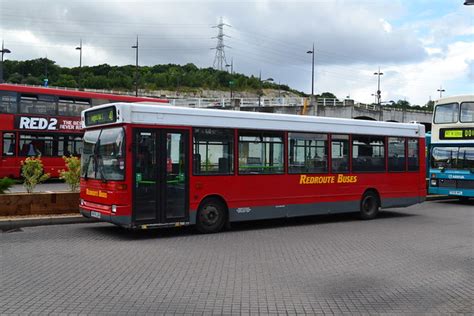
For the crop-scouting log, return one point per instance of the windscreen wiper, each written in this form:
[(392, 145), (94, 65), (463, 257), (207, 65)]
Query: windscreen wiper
[(86, 168), (100, 168)]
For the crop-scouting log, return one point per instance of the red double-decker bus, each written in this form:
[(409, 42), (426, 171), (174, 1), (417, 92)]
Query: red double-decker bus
[(36, 121), (149, 166)]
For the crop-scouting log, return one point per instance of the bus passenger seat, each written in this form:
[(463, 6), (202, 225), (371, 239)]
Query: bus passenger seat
[(223, 165), (197, 163)]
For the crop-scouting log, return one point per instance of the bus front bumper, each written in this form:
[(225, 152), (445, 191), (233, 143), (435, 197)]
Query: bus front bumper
[(124, 221), (451, 191)]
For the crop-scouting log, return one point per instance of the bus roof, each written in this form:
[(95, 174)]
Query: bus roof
[(458, 98), (156, 114), (76, 93)]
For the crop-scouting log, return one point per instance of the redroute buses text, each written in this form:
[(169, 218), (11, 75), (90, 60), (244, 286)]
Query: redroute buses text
[(340, 178)]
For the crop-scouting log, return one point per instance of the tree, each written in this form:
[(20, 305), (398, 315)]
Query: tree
[(328, 95), (15, 78), (65, 80), (168, 76), (402, 104), (32, 172), (32, 80), (430, 105), (72, 175)]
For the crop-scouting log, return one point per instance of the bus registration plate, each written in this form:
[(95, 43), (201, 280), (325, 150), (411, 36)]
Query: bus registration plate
[(95, 214), (455, 192)]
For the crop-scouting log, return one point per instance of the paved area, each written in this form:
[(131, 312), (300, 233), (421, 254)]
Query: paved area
[(409, 261), (42, 187)]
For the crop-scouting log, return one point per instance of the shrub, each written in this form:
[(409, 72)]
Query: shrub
[(6, 184), (72, 175), (33, 173)]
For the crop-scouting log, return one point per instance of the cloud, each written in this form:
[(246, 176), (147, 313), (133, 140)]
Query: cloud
[(471, 70), (417, 82), (351, 38), (386, 26), (185, 27)]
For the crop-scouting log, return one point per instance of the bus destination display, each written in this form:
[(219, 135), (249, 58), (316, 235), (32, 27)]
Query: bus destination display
[(456, 133), (101, 116)]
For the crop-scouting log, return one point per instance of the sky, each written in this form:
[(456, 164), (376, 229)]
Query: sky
[(421, 46)]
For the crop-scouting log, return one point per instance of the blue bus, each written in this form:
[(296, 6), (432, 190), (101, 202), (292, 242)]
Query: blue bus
[(428, 157), (452, 148)]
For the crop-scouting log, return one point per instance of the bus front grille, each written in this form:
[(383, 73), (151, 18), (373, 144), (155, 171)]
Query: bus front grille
[(458, 184)]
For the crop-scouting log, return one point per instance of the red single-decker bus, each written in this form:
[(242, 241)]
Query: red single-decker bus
[(151, 166)]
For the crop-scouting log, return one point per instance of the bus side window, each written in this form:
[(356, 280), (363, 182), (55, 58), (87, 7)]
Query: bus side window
[(339, 153), (9, 144), (413, 163), (396, 154), (213, 151)]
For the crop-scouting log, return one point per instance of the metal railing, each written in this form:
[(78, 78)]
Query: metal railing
[(225, 102), (237, 102)]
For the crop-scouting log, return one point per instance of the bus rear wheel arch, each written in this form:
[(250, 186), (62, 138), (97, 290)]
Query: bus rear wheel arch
[(212, 215), (369, 205)]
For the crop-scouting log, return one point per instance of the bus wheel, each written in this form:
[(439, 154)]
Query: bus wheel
[(369, 205), (211, 216)]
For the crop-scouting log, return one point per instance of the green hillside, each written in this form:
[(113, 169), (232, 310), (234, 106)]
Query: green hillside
[(187, 78)]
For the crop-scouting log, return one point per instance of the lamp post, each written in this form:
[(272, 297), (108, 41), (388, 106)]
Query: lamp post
[(375, 96), (136, 67), (79, 48), (378, 74), (231, 82), (441, 90), (3, 51), (231, 65), (312, 70)]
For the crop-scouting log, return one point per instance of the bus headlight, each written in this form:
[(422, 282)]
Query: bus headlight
[(81, 201), (114, 208), (434, 182)]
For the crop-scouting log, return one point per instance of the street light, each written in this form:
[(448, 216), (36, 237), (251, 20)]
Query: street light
[(136, 67), (312, 70), (231, 82), (374, 95), (378, 74), (231, 65), (441, 90), (79, 48), (469, 2), (3, 51)]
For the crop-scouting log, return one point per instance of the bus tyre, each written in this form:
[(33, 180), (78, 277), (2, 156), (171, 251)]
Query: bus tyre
[(369, 205), (211, 216)]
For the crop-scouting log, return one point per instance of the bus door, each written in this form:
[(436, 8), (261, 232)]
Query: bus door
[(9, 161), (160, 164)]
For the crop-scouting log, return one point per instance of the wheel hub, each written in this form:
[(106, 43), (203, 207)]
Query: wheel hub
[(210, 215)]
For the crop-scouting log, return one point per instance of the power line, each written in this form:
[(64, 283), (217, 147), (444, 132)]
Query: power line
[(49, 20)]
